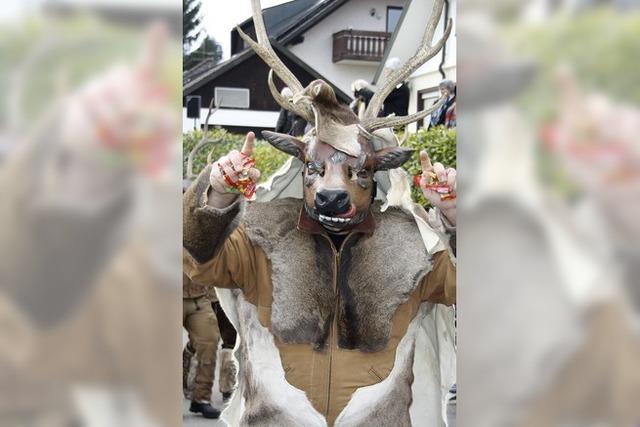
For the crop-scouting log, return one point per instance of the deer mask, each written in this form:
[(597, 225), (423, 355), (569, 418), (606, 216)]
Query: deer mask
[(338, 153)]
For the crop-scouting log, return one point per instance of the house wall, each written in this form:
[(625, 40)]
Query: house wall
[(251, 74), (317, 48), (233, 120), (407, 41)]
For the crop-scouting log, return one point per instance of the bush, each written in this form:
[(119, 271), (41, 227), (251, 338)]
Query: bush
[(268, 159), (440, 144)]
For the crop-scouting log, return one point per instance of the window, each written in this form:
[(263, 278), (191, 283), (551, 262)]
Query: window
[(231, 97), (393, 17), (426, 99)]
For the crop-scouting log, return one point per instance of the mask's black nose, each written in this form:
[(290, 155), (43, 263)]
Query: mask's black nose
[(332, 202)]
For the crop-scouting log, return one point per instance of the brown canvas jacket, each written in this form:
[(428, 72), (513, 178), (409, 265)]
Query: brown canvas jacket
[(337, 315)]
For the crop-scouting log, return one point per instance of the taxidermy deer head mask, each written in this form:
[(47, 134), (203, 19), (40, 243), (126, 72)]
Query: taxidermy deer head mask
[(338, 153)]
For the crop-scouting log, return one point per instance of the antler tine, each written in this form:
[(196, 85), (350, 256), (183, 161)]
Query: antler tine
[(263, 48), (425, 52), (390, 122), (284, 103), (430, 29), (203, 141)]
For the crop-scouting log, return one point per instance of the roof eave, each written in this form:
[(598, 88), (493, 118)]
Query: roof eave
[(392, 41)]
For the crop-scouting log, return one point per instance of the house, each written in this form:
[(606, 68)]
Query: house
[(338, 41), (403, 44)]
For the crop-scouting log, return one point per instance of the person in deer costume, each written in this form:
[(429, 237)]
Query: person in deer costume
[(328, 292)]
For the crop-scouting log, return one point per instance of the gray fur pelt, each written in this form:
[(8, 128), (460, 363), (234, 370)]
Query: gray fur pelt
[(377, 274)]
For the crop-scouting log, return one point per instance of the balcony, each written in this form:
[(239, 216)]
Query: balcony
[(353, 45)]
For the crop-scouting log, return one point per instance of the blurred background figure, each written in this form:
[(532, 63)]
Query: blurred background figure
[(201, 323), (446, 114), (398, 100), (548, 330), (289, 123), (206, 325), (362, 94), (90, 215)]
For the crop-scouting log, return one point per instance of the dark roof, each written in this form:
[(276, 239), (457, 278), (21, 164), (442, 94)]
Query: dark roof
[(206, 74), (311, 18), (279, 18), (235, 60), (287, 21), (283, 23), (197, 70)]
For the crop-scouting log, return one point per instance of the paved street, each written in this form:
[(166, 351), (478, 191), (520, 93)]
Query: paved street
[(196, 420)]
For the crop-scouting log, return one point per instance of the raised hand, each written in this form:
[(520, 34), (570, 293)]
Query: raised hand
[(233, 173), (439, 186)]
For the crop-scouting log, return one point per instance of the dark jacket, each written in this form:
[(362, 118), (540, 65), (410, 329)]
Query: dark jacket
[(290, 124), (397, 102), (445, 115)]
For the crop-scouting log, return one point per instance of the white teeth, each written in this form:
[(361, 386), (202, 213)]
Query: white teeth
[(333, 219)]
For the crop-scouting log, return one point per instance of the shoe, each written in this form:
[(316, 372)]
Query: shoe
[(205, 409), (226, 396)]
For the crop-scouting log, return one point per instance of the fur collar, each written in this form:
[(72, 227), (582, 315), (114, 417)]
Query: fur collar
[(376, 273)]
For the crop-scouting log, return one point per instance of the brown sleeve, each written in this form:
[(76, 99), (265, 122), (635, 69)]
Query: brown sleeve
[(439, 285), (205, 228), (216, 250), (232, 267)]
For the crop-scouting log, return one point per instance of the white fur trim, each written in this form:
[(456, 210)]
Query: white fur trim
[(260, 356)]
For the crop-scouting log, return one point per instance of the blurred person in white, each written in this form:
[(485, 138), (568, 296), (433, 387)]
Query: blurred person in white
[(362, 94), (88, 292), (561, 349)]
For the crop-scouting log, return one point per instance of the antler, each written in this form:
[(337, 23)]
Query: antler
[(203, 141), (392, 121), (425, 52), (288, 104), (263, 48)]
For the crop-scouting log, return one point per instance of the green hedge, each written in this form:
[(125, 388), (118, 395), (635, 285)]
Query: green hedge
[(439, 142), (268, 159)]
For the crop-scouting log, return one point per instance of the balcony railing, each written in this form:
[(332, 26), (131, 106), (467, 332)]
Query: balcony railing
[(359, 45)]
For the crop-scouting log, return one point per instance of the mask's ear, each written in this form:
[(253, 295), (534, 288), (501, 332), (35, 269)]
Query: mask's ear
[(391, 158), (286, 143)]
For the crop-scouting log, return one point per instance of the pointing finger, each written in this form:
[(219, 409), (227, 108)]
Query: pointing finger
[(247, 148), (425, 162)]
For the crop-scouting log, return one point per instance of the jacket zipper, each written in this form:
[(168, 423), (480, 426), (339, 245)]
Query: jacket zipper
[(334, 323)]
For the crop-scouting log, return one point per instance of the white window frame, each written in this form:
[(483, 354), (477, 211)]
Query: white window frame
[(220, 100)]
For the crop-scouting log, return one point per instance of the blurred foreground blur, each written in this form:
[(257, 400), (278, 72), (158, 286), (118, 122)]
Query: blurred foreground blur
[(549, 248), (90, 216)]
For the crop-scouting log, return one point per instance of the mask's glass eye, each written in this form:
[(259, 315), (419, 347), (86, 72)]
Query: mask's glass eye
[(311, 169), (363, 173), (314, 168)]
